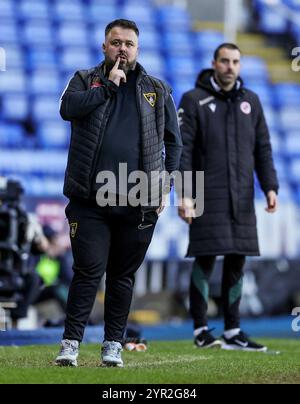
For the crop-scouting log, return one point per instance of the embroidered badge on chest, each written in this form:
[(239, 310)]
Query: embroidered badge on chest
[(246, 107), (73, 229), (151, 98)]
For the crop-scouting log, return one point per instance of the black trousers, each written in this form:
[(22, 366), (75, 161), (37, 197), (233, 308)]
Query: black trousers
[(232, 283), (111, 240)]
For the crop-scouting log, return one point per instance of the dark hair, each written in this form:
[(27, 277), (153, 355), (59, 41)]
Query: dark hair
[(126, 24), (226, 46)]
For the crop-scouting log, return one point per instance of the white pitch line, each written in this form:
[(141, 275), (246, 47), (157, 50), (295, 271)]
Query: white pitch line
[(167, 362)]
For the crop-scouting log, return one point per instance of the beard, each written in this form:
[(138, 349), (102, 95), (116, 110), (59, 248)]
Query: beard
[(126, 66), (226, 80)]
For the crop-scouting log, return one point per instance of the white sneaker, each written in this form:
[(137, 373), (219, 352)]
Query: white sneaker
[(68, 353), (111, 354), (241, 342)]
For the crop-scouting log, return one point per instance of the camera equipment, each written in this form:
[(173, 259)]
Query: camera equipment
[(14, 248)]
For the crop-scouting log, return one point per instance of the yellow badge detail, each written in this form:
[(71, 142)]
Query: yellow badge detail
[(151, 98), (73, 229)]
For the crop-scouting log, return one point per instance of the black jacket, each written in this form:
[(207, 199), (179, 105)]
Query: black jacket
[(86, 103), (226, 136)]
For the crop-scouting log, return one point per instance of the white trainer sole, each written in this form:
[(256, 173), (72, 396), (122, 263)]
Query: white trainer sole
[(216, 344), (227, 347)]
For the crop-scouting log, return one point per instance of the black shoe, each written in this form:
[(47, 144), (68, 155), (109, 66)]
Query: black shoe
[(206, 340), (241, 342)]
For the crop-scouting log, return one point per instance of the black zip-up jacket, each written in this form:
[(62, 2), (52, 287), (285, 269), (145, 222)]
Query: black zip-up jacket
[(87, 104)]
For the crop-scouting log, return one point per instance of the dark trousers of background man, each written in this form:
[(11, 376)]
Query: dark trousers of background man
[(232, 283), (105, 239)]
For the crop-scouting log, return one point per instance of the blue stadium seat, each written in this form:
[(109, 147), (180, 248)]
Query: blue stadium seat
[(276, 143), (263, 90), (39, 57), (106, 3), (178, 44), (140, 13), (37, 32), (271, 19), (27, 9), (38, 162), (149, 39), (254, 67), (181, 67), (13, 80), (286, 193), (204, 61), (11, 136), (98, 36), (295, 31), (45, 186), (292, 144), (289, 118), (51, 162), (15, 106), (297, 194), (70, 34), (174, 18), (282, 168), (8, 32), (14, 57), (153, 62), (65, 10), (75, 58), (287, 94), (53, 134), (294, 4), (144, 3), (208, 41), (272, 118), (102, 13), (295, 170), (7, 10), (45, 108), (180, 87), (65, 78), (45, 82)]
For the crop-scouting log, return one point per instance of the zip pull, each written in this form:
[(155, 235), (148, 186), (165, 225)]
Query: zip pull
[(143, 216)]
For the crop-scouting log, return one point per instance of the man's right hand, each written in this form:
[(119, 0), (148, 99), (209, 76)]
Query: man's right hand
[(117, 75), (186, 210)]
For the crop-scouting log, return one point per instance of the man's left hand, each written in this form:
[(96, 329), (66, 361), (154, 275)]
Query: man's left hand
[(272, 202)]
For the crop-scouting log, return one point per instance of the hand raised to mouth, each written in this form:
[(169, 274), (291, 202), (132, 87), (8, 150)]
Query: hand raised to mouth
[(116, 74)]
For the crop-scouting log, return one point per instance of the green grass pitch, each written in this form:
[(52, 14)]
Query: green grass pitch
[(165, 362)]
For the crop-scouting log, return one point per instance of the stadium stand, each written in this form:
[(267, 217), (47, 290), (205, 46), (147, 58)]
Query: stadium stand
[(46, 41)]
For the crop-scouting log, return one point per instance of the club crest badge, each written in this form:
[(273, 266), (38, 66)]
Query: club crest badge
[(246, 107), (151, 98), (73, 229)]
